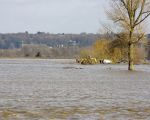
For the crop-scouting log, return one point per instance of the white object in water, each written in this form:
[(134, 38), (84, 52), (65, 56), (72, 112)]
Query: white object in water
[(105, 61)]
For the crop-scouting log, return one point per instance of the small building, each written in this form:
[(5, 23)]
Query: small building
[(72, 43)]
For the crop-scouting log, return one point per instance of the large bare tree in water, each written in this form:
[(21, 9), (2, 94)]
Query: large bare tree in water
[(129, 16)]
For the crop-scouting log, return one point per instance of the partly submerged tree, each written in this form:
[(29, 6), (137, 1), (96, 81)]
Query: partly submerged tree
[(129, 16)]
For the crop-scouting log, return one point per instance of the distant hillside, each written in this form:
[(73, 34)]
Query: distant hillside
[(17, 40)]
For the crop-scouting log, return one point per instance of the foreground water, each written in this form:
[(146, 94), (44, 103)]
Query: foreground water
[(63, 90)]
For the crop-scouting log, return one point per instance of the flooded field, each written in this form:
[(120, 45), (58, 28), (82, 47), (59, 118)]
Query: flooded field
[(64, 90)]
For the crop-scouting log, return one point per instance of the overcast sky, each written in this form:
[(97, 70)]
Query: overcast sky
[(53, 16)]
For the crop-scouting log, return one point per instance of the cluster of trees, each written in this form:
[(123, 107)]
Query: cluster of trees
[(116, 49)]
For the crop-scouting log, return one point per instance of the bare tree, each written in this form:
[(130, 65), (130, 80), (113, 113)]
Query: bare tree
[(129, 15)]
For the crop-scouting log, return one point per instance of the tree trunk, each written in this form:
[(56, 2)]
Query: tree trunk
[(130, 57)]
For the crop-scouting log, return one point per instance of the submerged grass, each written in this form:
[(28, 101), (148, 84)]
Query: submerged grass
[(67, 113)]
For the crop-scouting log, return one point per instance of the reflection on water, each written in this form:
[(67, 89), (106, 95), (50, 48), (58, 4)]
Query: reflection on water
[(63, 90)]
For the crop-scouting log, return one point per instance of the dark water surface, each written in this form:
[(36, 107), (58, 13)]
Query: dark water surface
[(64, 90)]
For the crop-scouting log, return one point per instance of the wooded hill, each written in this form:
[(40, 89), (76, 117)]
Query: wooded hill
[(16, 40)]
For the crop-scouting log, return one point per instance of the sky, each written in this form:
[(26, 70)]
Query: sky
[(53, 16)]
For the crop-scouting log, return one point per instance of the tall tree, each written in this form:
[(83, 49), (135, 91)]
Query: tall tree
[(129, 15)]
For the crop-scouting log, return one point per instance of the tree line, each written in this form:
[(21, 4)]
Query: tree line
[(16, 40), (46, 45)]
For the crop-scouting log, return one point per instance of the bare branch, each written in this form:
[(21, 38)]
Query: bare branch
[(146, 12), (139, 38), (143, 19), (141, 11)]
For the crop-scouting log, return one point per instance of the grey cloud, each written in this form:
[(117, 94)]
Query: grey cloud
[(51, 15)]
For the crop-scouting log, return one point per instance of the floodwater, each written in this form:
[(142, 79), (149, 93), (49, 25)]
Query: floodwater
[(64, 90)]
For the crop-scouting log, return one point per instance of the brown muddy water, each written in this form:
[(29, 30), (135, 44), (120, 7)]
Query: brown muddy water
[(64, 90)]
